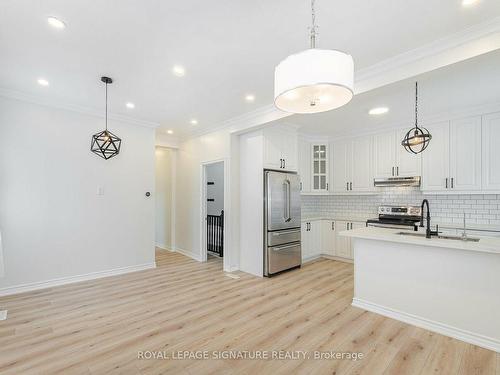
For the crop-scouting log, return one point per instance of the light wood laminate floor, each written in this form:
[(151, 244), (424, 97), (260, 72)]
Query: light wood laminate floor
[(98, 327)]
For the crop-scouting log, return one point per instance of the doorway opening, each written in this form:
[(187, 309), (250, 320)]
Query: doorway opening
[(165, 198), (213, 211)]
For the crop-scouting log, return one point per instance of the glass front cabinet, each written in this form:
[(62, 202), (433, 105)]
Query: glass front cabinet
[(319, 167)]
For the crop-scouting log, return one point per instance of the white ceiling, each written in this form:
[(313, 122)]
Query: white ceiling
[(467, 84), (228, 47)]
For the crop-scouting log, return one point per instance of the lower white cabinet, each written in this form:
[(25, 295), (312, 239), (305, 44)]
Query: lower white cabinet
[(328, 237), (321, 237), (311, 239), (343, 245)]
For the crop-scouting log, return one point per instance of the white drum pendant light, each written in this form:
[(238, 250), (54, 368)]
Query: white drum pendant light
[(314, 80)]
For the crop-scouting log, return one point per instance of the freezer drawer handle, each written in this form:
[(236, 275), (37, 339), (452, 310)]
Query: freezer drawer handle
[(285, 247), (284, 233)]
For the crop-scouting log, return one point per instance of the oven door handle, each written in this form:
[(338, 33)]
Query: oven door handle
[(402, 227)]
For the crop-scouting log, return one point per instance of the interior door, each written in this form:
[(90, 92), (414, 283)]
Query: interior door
[(283, 200), (465, 154)]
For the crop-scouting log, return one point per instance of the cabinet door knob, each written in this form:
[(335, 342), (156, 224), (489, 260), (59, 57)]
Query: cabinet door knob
[(347, 186), (350, 185), (446, 183), (148, 194), (397, 170), (452, 183), (393, 171)]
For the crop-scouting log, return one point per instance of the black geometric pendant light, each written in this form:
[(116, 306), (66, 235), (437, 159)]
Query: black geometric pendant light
[(106, 144), (417, 139)]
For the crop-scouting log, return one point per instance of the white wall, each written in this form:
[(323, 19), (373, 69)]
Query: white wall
[(164, 159), (190, 156), (53, 223), (215, 174)]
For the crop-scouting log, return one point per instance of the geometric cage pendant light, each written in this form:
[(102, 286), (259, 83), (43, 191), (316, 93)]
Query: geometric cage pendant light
[(105, 144), (314, 80), (417, 139)]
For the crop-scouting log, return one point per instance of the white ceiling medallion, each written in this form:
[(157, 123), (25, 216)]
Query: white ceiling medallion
[(314, 80)]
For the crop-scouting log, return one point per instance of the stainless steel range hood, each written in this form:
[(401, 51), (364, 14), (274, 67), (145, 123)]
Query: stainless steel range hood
[(397, 181)]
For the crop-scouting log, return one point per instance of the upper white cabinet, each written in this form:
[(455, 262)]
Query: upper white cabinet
[(452, 161), (490, 145), (407, 164), (280, 149), (436, 158), (390, 157), (352, 165), (465, 154), (305, 166)]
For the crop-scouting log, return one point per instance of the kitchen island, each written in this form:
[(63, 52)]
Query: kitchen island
[(445, 285)]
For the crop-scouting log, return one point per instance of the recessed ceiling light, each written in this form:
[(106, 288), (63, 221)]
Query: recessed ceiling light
[(467, 3), (250, 98), (54, 22), (378, 111), (170, 132), (130, 105), (42, 82), (194, 122), (179, 70)]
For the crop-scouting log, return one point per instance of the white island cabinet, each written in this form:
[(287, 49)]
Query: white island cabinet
[(444, 285)]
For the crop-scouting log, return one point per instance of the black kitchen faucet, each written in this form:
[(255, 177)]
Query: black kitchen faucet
[(428, 232)]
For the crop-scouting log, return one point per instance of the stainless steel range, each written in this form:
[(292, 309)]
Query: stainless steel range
[(397, 217)]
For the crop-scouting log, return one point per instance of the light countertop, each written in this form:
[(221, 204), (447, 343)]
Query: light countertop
[(485, 244), (354, 218), (363, 218)]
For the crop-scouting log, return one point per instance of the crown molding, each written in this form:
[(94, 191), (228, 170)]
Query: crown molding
[(17, 95), (473, 41), (248, 121), (426, 120), (465, 44)]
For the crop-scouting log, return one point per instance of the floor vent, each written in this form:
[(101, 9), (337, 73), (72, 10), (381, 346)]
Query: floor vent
[(3, 314)]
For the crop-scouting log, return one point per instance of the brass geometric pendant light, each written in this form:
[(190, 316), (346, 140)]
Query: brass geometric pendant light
[(106, 144)]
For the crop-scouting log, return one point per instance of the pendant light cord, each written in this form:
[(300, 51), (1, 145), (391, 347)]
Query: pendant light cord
[(106, 106), (416, 105), (314, 31)]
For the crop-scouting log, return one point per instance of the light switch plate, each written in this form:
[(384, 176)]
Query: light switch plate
[(3, 314)]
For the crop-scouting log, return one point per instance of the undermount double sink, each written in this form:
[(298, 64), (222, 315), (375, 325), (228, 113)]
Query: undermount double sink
[(441, 237)]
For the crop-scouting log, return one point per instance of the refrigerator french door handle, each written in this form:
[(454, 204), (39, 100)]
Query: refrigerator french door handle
[(287, 207)]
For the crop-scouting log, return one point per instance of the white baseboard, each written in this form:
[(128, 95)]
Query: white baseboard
[(73, 279), (444, 329), (189, 254), (340, 259), (164, 247)]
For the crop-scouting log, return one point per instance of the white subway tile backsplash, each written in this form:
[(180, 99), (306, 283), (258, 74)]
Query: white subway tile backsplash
[(479, 209)]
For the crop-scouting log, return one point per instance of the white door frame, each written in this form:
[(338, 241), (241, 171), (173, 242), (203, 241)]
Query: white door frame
[(203, 212)]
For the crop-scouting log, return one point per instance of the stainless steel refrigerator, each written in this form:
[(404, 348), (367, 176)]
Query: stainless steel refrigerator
[(282, 249)]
